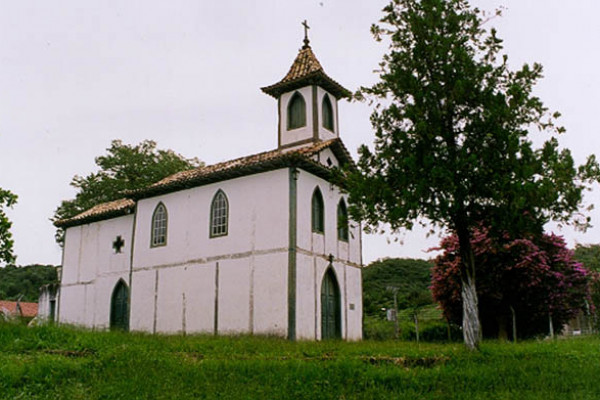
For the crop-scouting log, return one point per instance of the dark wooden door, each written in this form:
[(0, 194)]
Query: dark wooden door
[(119, 308), (331, 324)]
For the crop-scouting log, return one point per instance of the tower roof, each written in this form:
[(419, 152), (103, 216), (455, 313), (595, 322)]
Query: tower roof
[(306, 70)]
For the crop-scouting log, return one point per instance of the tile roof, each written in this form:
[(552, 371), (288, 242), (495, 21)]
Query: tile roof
[(279, 158), (302, 156), (101, 211), (306, 70), (26, 309)]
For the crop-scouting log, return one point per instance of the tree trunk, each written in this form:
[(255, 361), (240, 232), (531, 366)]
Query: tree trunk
[(470, 321), (470, 324), (514, 323)]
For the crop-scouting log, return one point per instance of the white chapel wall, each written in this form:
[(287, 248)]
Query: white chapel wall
[(251, 258), (298, 134), (326, 134), (306, 132), (312, 262), (91, 269)]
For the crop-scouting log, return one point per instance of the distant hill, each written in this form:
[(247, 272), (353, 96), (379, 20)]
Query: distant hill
[(410, 276), (26, 281)]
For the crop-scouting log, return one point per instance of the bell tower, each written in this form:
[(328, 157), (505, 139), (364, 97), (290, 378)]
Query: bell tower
[(307, 101)]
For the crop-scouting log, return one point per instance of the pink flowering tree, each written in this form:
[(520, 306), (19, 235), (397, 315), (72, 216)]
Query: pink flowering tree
[(527, 280)]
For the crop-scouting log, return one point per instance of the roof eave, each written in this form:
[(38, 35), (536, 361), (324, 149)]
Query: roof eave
[(315, 78), (70, 222)]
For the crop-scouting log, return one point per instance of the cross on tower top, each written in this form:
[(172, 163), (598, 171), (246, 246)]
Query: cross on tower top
[(306, 28)]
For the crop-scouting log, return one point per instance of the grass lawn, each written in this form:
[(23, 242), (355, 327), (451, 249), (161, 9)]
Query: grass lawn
[(62, 363)]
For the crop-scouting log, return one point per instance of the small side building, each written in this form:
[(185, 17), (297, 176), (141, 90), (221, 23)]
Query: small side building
[(47, 302), (18, 310)]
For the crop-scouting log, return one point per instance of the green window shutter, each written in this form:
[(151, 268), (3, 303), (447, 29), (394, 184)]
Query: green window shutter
[(327, 111), (296, 112), (342, 221), (119, 307), (318, 212)]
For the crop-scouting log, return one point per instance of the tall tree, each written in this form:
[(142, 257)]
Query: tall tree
[(125, 167), (451, 122), (7, 199)]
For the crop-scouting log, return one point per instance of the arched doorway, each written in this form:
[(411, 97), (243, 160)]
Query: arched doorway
[(331, 321), (119, 307)]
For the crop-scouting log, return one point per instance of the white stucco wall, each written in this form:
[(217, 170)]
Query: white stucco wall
[(258, 222), (306, 132), (48, 294), (252, 260), (231, 284), (298, 134), (91, 268), (313, 260), (326, 134)]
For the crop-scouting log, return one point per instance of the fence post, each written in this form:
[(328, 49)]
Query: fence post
[(417, 324), (514, 324)]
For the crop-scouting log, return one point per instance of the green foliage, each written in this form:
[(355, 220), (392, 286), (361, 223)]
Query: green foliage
[(432, 327), (588, 255), (25, 281), (7, 199), (451, 125), (58, 363), (411, 277), (125, 167)]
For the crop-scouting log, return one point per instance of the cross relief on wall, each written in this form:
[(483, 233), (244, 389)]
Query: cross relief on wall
[(118, 244)]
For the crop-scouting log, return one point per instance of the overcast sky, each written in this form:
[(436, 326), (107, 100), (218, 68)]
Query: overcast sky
[(75, 75)]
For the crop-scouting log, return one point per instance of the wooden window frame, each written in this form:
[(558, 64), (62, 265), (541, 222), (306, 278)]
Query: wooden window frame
[(221, 228), (155, 230)]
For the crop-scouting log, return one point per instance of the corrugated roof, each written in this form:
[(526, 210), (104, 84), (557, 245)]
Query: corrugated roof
[(306, 70), (298, 156)]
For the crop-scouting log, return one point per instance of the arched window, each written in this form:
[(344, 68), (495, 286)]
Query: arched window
[(318, 212), (119, 307), (159, 226), (342, 221), (327, 111), (219, 211), (296, 112)]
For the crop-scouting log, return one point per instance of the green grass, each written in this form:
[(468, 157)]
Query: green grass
[(61, 363)]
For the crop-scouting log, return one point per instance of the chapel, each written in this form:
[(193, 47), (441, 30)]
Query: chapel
[(258, 245)]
